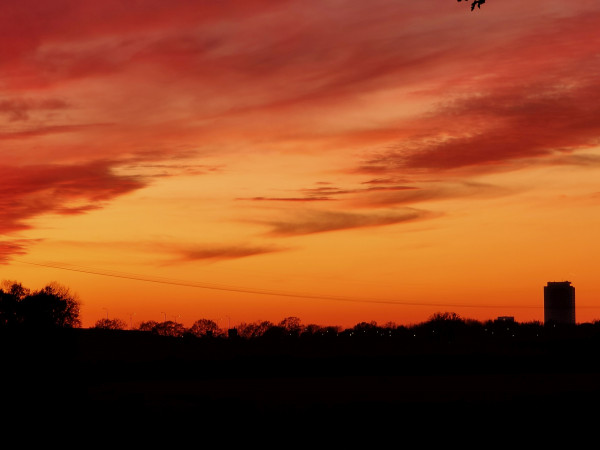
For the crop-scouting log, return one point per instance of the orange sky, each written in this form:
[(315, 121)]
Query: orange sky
[(386, 159)]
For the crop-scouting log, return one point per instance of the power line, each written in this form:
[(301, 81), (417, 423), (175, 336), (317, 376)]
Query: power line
[(246, 290)]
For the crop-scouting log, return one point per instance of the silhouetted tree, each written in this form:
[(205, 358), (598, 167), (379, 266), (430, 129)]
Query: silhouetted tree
[(246, 330), (149, 325), (11, 293), (366, 329), (205, 328), (275, 333), (444, 317), (169, 328), (14, 288), (445, 327), (254, 329), (311, 330), (110, 324), (53, 306), (292, 325), (390, 325)]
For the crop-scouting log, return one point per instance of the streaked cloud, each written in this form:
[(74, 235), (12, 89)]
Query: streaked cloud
[(20, 109), (317, 221), (328, 192), (29, 191), (10, 248), (287, 199), (223, 252), (432, 191), (33, 131), (515, 113)]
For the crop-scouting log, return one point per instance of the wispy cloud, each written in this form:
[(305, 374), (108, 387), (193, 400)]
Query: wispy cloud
[(313, 221), (29, 191), (33, 131), (286, 199), (428, 192), (218, 253), (328, 193), (19, 109), (515, 113), (11, 248), (380, 195)]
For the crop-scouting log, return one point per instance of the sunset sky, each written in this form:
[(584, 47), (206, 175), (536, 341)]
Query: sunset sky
[(335, 160)]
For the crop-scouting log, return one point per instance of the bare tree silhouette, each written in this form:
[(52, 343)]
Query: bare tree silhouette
[(205, 328), (110, 324), (292, 325), (255, 329), (166, 328)]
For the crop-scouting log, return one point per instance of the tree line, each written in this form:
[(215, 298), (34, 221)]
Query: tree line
[(439, 327), (55, 306)]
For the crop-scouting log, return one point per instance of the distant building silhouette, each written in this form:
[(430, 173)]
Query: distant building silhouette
[(559, 302)]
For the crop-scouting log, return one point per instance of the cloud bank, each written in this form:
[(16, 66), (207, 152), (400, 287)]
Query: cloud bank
[(414, 101)]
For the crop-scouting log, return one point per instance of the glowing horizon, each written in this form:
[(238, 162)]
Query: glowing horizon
[(416, 157)]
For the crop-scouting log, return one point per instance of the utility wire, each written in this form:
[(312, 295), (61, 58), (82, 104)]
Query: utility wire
[(247, 290)]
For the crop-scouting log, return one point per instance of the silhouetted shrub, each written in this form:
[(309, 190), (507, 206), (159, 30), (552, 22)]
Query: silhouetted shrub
[(254, 329), (149, 325), (110, 324), (205, 328), (292, 326), (167, 328)]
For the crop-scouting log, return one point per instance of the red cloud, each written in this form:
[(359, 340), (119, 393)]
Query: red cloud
[(30, 26), (163, 73), (29, 191), (50, 129), (11, 248), (20, 108), (533, 97), (505, 125)]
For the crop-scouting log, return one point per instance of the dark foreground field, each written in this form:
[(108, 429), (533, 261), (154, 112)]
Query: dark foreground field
[(92, 375)]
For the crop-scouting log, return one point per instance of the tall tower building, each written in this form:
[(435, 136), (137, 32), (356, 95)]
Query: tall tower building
[(559, 302)]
